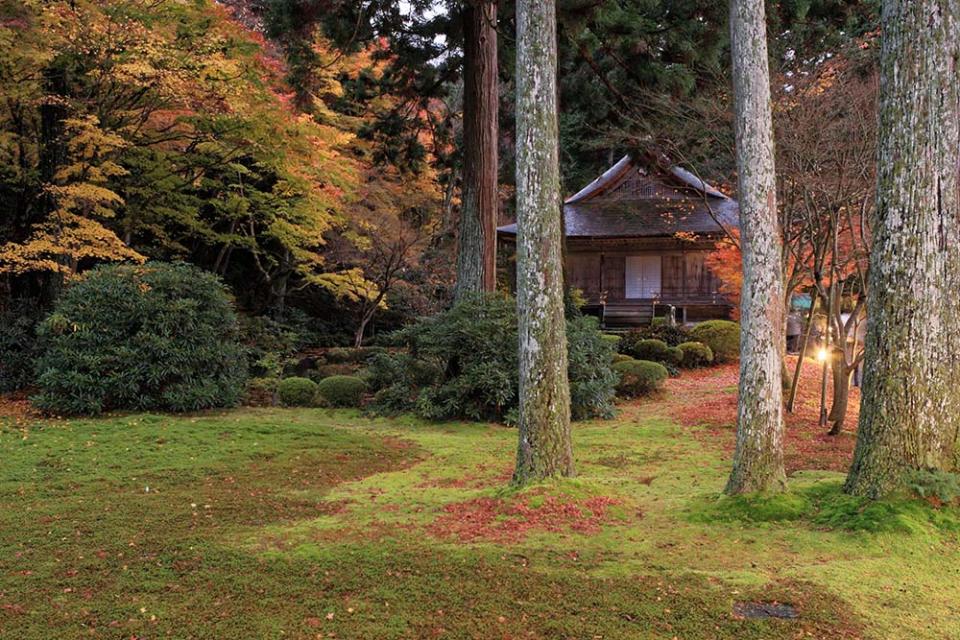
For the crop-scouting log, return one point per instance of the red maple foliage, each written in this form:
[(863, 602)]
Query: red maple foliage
[(506, 520), (707, 398)]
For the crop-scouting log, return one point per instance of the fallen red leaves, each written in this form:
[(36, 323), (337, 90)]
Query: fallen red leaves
[(499, 520), (708, 398)]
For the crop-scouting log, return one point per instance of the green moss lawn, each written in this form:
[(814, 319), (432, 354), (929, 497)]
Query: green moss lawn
[(313, 523)]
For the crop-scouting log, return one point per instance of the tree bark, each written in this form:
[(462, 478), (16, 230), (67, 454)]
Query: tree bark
[(758, 458), (545, 448), (911, 409), (477, 254), (841, 374)]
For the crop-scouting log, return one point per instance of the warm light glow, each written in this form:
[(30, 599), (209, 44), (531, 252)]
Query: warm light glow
[(822, 354)]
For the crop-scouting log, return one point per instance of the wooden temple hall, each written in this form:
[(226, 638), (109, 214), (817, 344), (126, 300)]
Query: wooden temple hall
[(637, 238)]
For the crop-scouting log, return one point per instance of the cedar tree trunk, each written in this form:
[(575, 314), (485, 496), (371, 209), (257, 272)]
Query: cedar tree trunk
[(477, 254), (758, 459), (545, 449), (910, 413)]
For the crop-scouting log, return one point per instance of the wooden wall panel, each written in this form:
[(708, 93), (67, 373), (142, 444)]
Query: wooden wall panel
[(583, 272), (672, 283), (614, 272)]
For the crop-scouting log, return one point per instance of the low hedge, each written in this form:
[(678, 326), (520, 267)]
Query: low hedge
[(611, 338), (722, 336), (341, 391), (675, 356), (648, 349), (695, 354), (656, 351), (639, 377), (296, 392)]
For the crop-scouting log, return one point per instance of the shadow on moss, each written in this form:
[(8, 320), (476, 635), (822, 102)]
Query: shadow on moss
[(824, 505)]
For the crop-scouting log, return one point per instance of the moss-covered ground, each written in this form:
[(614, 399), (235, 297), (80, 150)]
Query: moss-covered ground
[(312, 523)]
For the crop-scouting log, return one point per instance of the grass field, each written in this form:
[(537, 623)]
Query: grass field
[(269, 523)]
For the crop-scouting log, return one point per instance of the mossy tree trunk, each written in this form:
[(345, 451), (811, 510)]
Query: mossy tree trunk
[(911, 404), (544, 449), (477, 254), (758, 458)]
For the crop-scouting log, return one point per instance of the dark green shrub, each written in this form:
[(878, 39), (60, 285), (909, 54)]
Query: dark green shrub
[(19, 346), (296, 392), (649, 349), (639, 377), (612, 338), (270, 344), (463, 364), (675, 356), (592, 380), (695, 354), (342, 391), (672, 335), (722, 336), (152, 337)]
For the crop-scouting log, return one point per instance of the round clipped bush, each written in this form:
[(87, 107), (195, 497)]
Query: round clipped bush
[(669, 334), (696, 354), (649, 349), (611, 338), (722, 336), (675, 356), (341, 391), (639, 377), (296, 392), (157, 337), (621, 357)]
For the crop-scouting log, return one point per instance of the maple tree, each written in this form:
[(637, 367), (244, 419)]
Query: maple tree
[(168, 131)]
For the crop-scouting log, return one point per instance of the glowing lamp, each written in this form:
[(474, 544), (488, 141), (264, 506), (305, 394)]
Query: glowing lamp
[(822, 354)]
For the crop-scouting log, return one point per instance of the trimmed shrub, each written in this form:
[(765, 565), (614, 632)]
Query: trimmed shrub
[(463, 364), (673, 336), (649, 349), (342, 391), (621, 357), (675, 356), (612, 338), (639, 377), (695, 354), (722, 336), (296, 392), (143, 337)]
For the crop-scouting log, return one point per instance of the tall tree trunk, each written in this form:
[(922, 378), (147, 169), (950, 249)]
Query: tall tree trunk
[(545, 448), (477, 254), (758, 459), (911, 409)]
